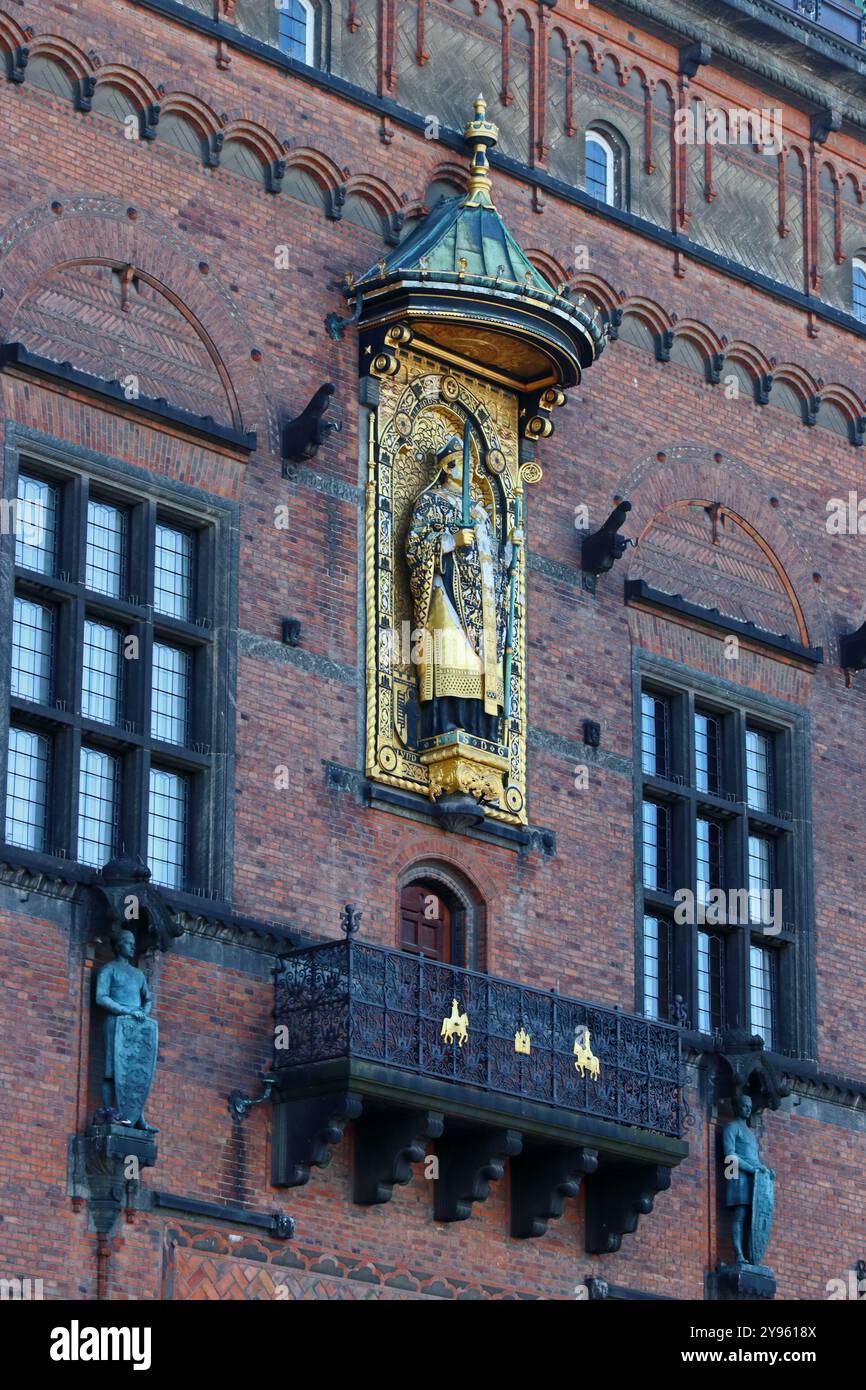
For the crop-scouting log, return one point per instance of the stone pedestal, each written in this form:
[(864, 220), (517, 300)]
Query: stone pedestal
[(107, 1162), (458, 765), (742, 1282)]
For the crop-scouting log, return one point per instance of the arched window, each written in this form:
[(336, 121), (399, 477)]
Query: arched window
[(296, 29), (858, 288), (600, 159), (605, 167)]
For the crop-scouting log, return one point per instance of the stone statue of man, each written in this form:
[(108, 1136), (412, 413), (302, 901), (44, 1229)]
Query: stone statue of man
[(459, 576), (748, 1185), (129, 1035)]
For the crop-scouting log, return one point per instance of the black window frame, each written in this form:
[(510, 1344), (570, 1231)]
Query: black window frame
[(786, 823), (207, 757)]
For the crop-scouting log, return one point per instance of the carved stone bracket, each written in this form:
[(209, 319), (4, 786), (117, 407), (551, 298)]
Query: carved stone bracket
[(852, 649), (124, 897), (387, 1143), (305, 1131), (605, 546), (18, 63), (744, 1067), (540, 1184), (304, 435), (616, 1199), (469, 1161), (106, 1163)]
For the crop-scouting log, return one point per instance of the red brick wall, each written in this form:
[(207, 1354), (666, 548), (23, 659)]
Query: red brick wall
[(300, 854)]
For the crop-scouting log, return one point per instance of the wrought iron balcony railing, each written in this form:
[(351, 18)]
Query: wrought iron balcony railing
[(347, 1001)]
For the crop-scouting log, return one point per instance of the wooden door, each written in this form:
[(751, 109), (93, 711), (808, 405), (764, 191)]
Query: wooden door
[(425, 922)]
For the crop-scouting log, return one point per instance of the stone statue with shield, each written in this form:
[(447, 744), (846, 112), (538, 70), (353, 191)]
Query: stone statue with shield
[(130, 1036), (749, 1186)]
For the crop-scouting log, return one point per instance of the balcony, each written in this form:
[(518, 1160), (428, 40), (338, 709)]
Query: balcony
[(841, 17), (413, 1051)]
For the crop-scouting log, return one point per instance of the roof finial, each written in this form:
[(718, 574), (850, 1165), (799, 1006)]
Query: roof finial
[(481, 134)]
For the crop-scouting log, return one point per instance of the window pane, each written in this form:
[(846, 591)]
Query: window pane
[(166, 830), (760, 878), (293, 26), (758, 770), (656, 967), (32, 647), (27, 789), (598, 169), (708, 844), (656, 846), (859, 290), (105, 549), (36, 525), (170, 702), (172, 589), (100, 679), (761, 993), (708, 753), (710, 983), (97, 804), (655, 726)]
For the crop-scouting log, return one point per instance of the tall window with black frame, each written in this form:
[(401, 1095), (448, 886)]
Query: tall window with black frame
[(719, 884), (109, 684)]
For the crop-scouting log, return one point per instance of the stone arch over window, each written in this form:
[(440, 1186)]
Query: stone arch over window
[(441, 189), (176, 129), (841, 410), (637, 331), (688, 353), (111, 100), (606, 165), (239, 157), (750, 369), (711, 556), (362, 212), (689, 478), (311, 177), (41, 244), (49, 74), (441, 915), (115, 321), (796, 391)]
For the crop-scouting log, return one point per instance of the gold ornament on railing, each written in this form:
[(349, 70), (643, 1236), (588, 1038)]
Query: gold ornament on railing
[(585, 1061), (455, 1025)]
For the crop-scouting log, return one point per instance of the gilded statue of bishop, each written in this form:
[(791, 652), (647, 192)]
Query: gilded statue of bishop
[(459, 574)]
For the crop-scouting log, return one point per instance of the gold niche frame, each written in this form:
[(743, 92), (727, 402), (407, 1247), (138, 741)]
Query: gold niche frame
[(423, 398)]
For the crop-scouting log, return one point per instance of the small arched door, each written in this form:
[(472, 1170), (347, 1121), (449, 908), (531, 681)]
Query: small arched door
[(425, 922)]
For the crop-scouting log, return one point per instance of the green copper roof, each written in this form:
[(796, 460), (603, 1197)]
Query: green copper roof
[(461, 262), (456, 237), (465, 235)]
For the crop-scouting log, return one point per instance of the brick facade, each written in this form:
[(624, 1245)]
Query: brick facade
[(77, 191)]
